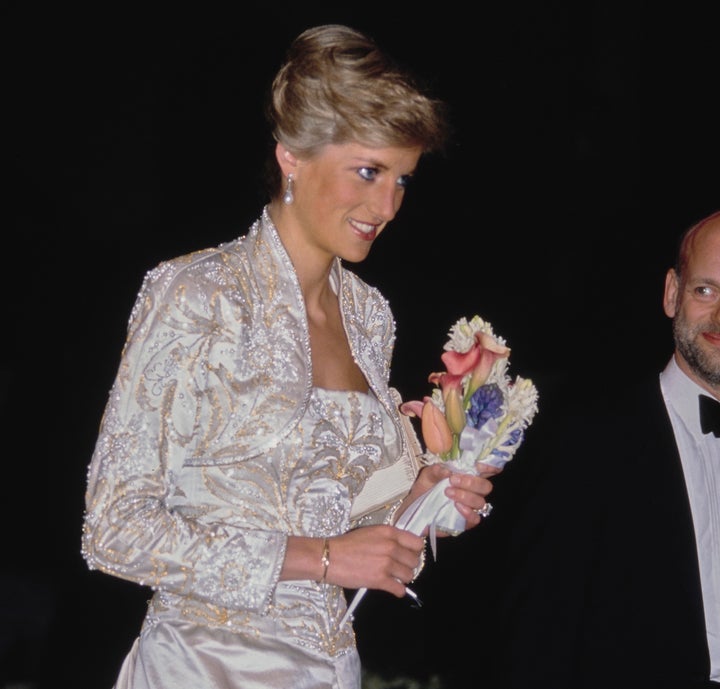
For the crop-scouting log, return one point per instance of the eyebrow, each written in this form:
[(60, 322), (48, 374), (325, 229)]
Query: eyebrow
[(699, 280), (369, 162)]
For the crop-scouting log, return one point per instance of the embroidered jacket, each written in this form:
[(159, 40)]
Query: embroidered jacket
[(216, 370)]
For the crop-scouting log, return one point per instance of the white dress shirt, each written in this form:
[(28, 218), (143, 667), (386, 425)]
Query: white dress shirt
[(700, 457)]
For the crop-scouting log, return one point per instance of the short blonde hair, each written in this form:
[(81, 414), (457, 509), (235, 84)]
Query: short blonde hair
[(336, 86)]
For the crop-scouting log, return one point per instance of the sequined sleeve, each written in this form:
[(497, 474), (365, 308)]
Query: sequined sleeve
[(173, 366)]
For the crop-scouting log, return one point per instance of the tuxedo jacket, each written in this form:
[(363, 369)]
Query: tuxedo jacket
[(594, 578)]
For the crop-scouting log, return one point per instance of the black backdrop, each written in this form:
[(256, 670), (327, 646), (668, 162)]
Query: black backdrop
[(586, 140)]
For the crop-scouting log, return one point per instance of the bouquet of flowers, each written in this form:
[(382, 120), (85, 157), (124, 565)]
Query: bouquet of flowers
[(475, 414)]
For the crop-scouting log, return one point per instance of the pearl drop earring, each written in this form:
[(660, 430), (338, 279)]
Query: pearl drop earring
[(288, 197)]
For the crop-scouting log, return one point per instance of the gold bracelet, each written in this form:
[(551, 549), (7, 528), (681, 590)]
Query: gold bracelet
[(325, 559)]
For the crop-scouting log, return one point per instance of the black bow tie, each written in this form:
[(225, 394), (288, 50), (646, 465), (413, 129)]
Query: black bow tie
[(709, 415)]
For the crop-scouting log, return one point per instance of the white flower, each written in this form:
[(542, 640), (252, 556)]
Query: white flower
[(462, 334)]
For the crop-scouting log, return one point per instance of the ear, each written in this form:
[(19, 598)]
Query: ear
[(286, 160), (672, 288)]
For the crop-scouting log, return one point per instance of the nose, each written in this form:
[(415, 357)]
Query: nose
[(385, 201)]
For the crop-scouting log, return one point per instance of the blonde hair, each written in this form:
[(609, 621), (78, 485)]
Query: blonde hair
[(336, 86)]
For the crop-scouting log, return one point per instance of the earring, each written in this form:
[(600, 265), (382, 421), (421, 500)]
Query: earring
[(288, 197)]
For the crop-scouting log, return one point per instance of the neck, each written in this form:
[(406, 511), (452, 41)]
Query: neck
[(711, 389), (312, 267)]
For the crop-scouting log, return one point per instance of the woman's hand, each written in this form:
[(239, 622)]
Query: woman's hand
[(468, 491), (376, 557), (379, 557)]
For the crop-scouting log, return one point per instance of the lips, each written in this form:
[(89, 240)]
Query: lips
[(364, 230), (712, 338)]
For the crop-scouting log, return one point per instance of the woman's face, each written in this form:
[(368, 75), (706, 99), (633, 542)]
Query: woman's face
[(345, 195)]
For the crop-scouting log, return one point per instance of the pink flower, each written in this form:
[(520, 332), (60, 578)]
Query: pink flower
[(491, 351), (483, 354), (446, 381), (461, 363), (435, 429), (413, 407), (479, 359)]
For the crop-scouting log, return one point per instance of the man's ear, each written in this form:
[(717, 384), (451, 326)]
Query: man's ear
[(286, 160), (672, 288)]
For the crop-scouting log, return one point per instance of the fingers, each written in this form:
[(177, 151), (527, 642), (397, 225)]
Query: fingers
[(487, 470), (434, 473), (403, 558), (472, 518), (409, 552), (378, 557), (464, 487), (469, 492), (428, 477)]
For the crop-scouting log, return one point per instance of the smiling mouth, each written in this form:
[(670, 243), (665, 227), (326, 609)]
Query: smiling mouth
[(366, 230)]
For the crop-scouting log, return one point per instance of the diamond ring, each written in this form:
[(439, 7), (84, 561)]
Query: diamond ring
[(484, 511)]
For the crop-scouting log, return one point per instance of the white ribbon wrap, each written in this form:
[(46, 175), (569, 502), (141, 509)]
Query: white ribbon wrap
[(434, 509)]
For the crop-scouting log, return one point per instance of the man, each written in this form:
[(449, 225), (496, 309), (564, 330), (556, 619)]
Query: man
[(608, 572)]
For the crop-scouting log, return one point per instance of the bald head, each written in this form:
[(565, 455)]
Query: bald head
[(702, 229)]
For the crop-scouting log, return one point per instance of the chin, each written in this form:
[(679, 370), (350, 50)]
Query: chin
[(354, 256)]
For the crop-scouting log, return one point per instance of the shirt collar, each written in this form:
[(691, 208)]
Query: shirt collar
[(681, 393)]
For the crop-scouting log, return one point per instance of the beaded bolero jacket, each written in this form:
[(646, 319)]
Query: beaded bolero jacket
[(216, 369)]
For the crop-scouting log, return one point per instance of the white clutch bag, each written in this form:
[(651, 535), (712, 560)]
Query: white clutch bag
[(388, 485)]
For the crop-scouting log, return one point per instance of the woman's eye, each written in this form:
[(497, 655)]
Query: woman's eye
[(368, 173)]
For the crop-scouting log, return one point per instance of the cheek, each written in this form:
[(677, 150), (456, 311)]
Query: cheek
[(709, 315), (332, 192), (694, 316)]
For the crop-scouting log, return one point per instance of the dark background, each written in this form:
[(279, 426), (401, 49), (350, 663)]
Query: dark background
[(586, 140)]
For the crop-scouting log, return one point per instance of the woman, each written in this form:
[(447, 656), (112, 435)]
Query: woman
[(252, 406)]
